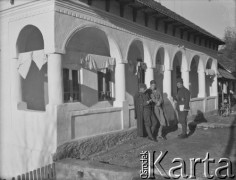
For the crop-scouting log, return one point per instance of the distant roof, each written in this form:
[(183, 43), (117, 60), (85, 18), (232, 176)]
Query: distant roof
[(167, 12), (226, 63), (225, 74)]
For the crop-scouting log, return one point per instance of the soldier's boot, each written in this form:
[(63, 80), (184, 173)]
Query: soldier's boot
[(150, 136), (184, 131)]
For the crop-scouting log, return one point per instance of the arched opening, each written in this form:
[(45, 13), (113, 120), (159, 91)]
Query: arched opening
[(135, 74), (88, 75), (33, 68), (193, 77), (176, 72), (210, 74), (159, 70)]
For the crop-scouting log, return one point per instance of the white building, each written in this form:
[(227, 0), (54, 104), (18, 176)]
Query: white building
[(68, 70)]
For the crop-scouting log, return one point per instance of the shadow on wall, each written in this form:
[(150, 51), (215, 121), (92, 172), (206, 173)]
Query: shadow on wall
[(209, 81), (159, 80), (135, 53), (35, 88), (131, 85), (89, 96), (170, 115)]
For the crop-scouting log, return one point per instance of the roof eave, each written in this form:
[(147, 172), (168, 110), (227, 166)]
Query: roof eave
[(209, 35)]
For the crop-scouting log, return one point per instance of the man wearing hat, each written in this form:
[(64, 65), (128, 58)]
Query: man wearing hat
[(143, 112), (157, 107), (182, 99)]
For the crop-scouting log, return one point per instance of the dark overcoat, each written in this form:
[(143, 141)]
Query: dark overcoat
[(140, 100)]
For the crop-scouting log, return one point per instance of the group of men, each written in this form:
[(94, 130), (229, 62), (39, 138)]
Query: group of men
[(150, 109)]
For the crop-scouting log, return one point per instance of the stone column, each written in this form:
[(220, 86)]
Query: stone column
[(55, 83), (120, 94), (214, 91), (149, 75), (167, 82), (16, 83), (185, 77), (201, 83), (119, 84)]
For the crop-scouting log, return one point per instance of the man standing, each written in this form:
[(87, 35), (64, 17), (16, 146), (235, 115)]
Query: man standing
[(143, 112), (157, 102), (182, 100)]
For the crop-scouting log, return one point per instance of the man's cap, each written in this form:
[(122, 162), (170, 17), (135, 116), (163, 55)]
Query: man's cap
[(153, 82), (179, 80), (141, 85)]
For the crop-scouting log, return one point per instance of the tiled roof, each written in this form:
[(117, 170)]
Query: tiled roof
[(225, 74), (167, 12), (226, 63)]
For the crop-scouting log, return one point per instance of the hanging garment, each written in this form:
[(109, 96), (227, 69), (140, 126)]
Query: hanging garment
[(24, 63), (40, 58), (210, 72), (90, 61)]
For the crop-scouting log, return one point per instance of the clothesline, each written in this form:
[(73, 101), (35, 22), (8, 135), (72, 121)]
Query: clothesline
[(89, 61), (25, 60), (72, 59)]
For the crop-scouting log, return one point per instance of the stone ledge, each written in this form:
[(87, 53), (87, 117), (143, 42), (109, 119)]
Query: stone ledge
[(83, 148), (215, 125), (95, 111)]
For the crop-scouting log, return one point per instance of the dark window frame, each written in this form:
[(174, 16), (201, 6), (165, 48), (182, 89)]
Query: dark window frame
[(72, 88), (104, 85)]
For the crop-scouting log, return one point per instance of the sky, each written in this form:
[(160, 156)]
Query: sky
[(212, 15)]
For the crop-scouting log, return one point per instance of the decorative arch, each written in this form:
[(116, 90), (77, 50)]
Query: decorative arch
[(143, 47), (201, 66), (140, 47), (195, 66), (32, 67), (183, 62), (209, 63), (164, 54), (134, 75), (211, 70), (23, 37), (16, 29), (91, 42), (179, 64), (113, 46), (160, 64)]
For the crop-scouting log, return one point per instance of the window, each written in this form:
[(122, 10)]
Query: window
[(71, 85), (104, 85)]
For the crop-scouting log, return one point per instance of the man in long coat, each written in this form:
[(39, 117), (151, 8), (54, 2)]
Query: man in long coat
[(157, 103), (182, 99), (144, 113)]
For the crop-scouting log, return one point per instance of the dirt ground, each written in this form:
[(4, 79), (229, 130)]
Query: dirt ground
[(218, 142)]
